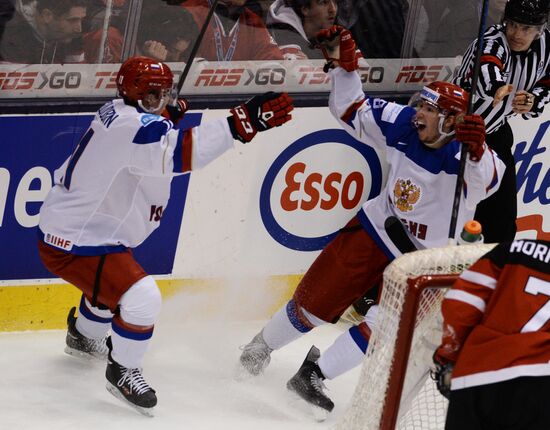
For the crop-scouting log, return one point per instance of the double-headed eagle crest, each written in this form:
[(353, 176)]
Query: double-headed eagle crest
[(406, 194)]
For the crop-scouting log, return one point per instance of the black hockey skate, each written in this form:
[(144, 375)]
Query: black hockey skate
[(81, 346), (256, 355), (308, 384), (129, 386)]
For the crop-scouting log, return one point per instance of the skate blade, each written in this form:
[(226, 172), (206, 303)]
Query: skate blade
[(148, 412), (241, 373), (319, 414), (84, 355)]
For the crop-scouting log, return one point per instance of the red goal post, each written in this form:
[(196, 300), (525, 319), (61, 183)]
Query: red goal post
[(394, 389)]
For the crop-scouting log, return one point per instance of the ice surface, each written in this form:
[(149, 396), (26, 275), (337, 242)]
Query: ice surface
[(191, 362)]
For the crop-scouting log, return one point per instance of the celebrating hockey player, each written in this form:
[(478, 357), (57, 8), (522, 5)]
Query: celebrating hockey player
[(496, 335), (109, 196), (422, 147)]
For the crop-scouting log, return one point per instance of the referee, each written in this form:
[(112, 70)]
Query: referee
[(514, 79)]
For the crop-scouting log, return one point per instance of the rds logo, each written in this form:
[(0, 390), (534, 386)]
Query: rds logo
[(315, 186)]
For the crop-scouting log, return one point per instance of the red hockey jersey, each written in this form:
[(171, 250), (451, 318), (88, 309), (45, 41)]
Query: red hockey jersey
[(497, 316)]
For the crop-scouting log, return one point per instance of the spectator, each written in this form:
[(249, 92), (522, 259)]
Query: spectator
[(53, 33), (294, 22), (235, 33), (165, 33), (496, 334), (94, 28), (514, 80)]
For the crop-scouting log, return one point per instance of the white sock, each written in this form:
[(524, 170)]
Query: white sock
[(92, 322), (343, 355), (129, 346), (285, 327)]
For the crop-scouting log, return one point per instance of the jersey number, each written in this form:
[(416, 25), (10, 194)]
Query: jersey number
[(76, 156), (537, 286)]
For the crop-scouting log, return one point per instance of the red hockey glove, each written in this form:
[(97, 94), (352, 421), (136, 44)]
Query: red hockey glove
[(471, 132), (260, 113), (337, 44), (176, 112)]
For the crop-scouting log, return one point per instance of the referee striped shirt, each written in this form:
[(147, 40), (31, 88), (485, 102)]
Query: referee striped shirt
[(528, 70)]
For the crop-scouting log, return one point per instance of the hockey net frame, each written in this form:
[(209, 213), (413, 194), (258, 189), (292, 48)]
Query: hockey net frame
[(394, 389)]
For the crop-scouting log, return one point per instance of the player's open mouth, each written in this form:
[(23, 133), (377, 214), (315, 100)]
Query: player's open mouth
[(419, 124)]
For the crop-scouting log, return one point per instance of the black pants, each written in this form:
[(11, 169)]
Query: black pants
[(518, 404), (497, 214)]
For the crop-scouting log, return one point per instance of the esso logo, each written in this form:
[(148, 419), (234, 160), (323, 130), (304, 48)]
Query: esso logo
[(315, 186)]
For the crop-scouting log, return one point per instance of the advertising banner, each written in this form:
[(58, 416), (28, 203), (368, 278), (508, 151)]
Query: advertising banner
[(209, 77), (32, 148), (266, 208)]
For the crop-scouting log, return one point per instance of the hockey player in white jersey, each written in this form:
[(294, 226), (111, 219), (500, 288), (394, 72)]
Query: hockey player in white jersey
[(422, 147), (109, 196)]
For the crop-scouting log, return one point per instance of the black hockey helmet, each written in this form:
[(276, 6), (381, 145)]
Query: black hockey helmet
[(528, 12)]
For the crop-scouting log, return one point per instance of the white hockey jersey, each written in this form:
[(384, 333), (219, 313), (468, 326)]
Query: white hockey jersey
[(111, 192), (421, 181)]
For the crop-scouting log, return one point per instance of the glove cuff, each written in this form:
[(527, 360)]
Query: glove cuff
[(240, 124)]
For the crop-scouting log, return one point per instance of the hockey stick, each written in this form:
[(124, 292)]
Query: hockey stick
[(196, 46), (463, 149), (396, 232)]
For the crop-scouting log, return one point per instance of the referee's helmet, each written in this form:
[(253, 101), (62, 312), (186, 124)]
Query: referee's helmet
[(527, 12)]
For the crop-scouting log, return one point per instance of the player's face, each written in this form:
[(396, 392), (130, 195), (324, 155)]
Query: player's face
[(67, 26), (521, 36), (427, 122), (155, 102), (320, 13)]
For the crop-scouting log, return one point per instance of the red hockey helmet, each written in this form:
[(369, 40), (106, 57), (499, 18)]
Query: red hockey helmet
[(446, 96), (140, 75)]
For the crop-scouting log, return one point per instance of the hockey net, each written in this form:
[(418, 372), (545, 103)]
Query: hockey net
[(394, 389)]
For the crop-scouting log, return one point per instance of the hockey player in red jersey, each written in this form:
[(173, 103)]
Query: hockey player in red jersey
[(496, 334), (108, 197), (422, 147)]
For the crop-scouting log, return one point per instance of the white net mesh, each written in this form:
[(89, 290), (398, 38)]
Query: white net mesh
[(422, 407)]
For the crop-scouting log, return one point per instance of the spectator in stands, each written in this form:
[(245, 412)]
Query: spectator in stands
[(52, 35), (235, 33), (94, 27), (293, 23), (165, 33), (496, 335)]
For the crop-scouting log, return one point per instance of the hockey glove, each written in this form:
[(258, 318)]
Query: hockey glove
[(337, 44), (176, 112), (471, 132), (442, 376), (260, 113)]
